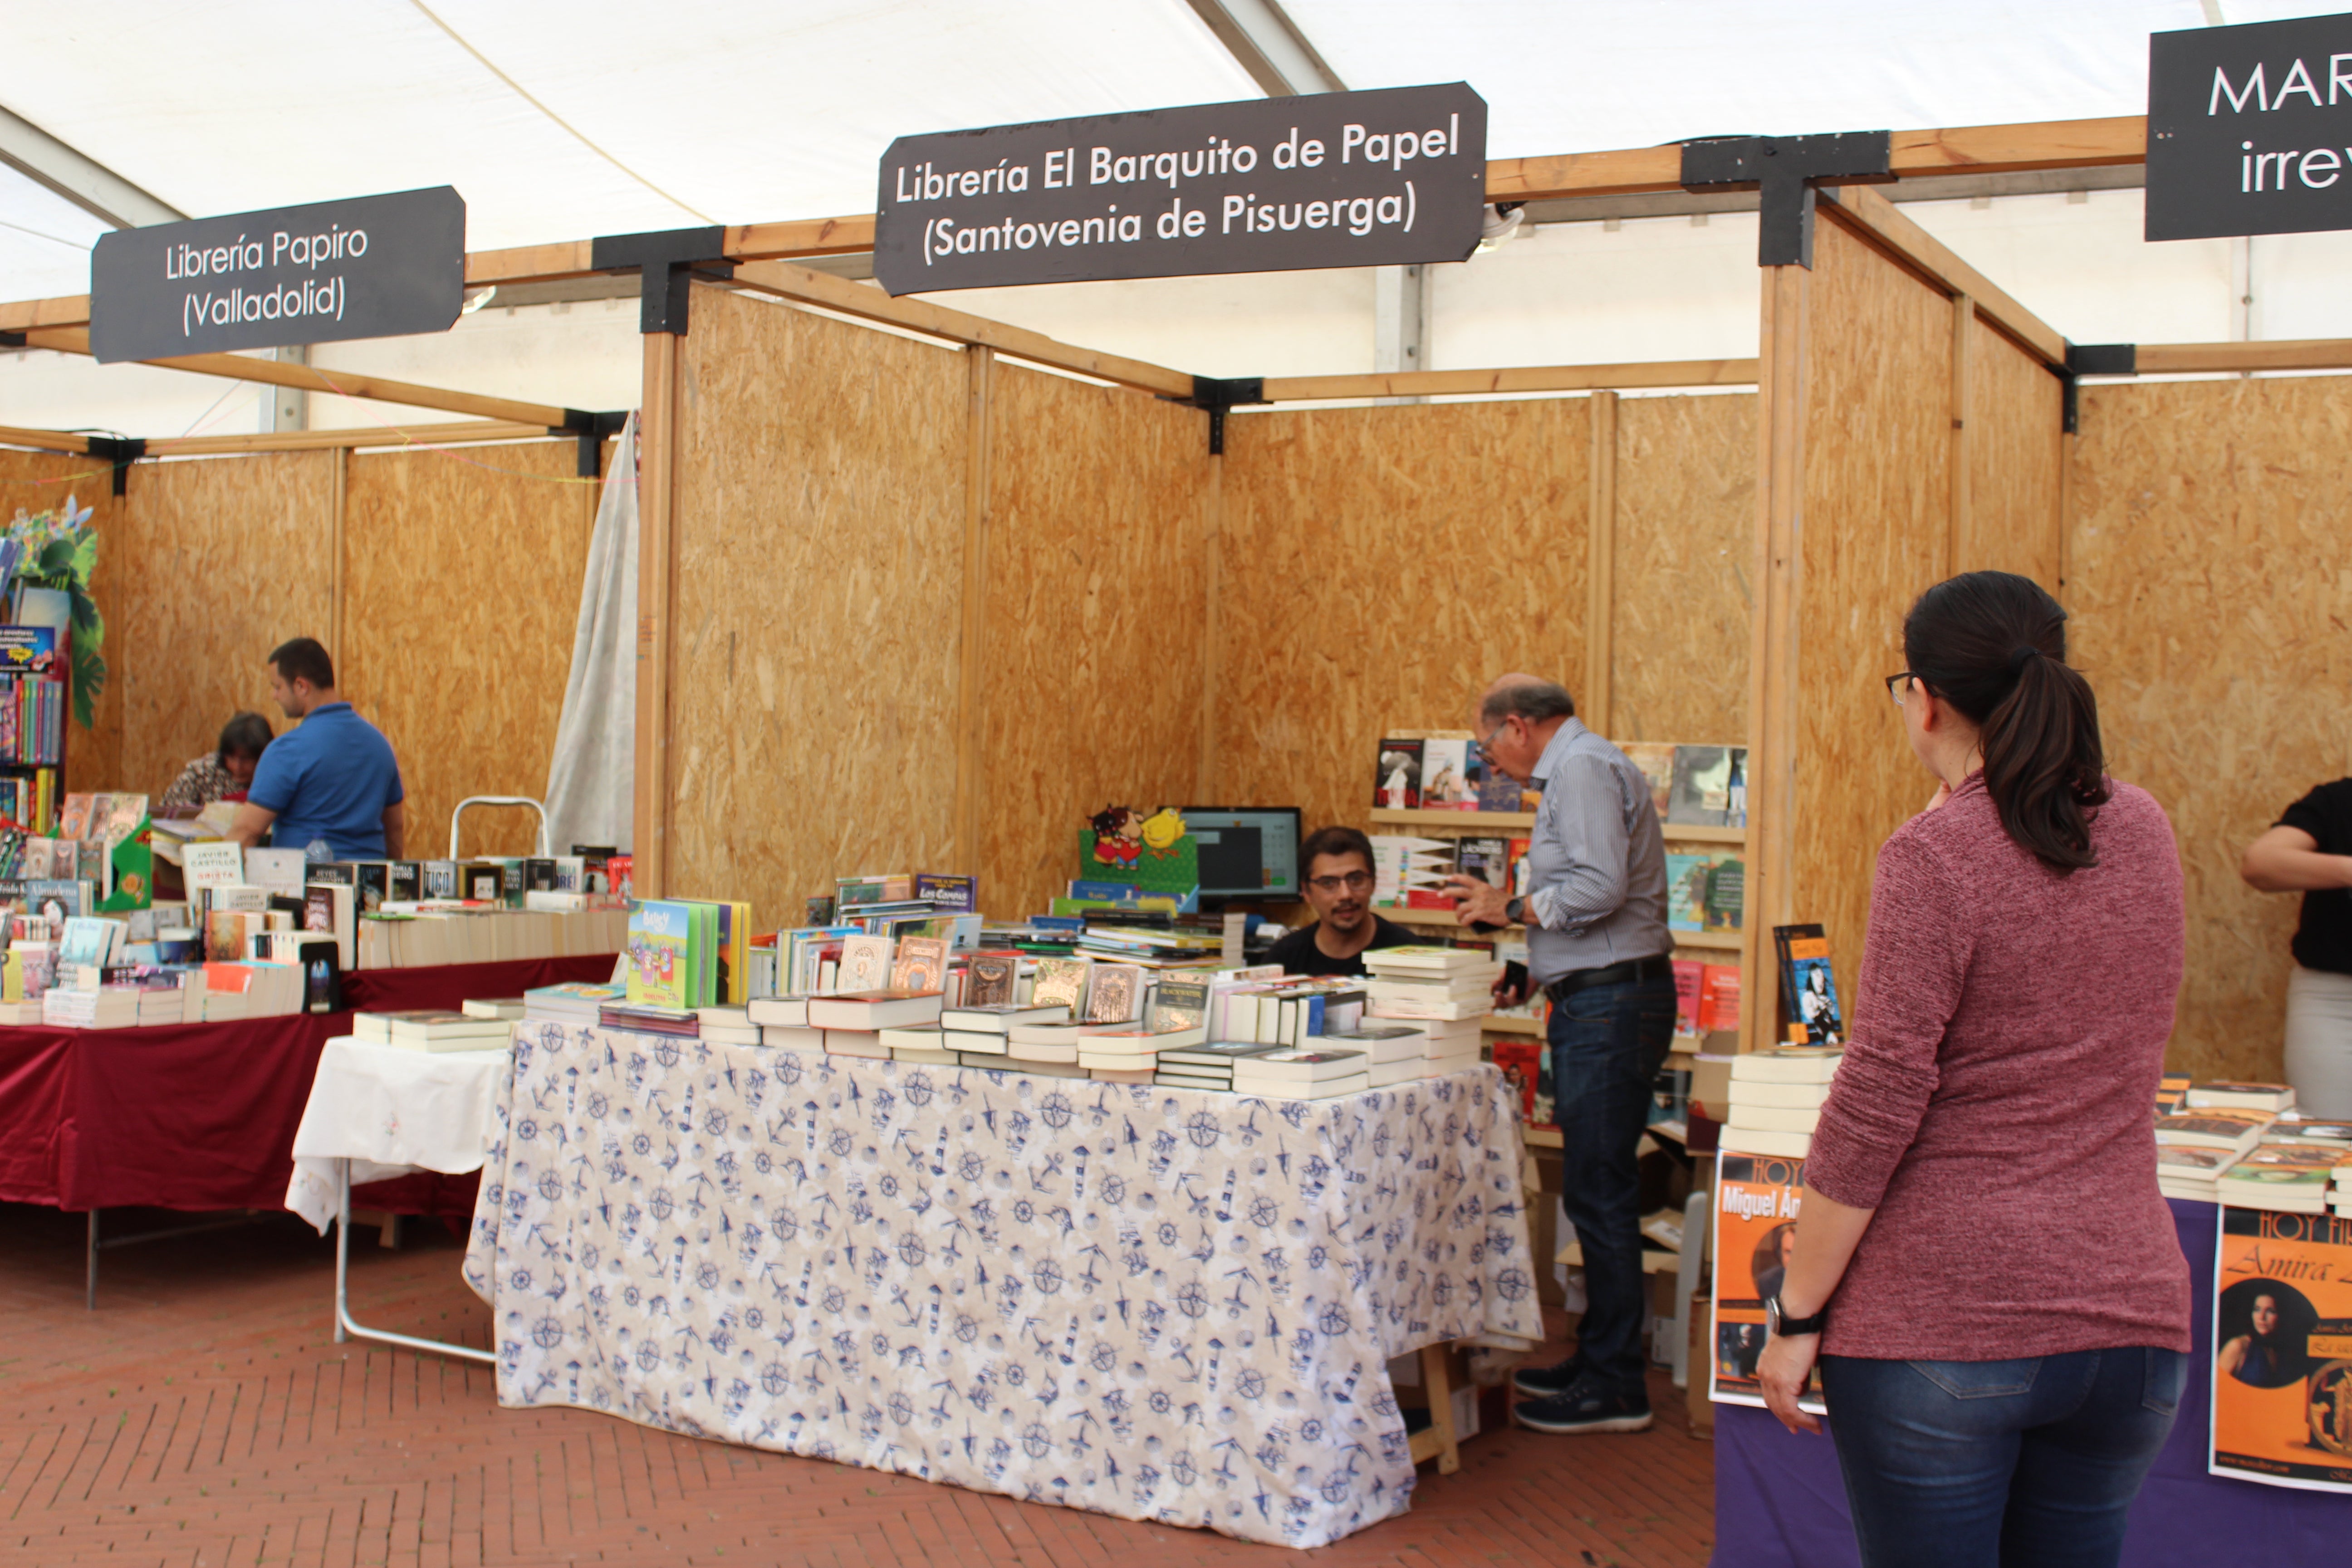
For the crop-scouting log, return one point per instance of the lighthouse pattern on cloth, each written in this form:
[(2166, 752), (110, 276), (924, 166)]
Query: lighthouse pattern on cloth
[(1163, 1304)]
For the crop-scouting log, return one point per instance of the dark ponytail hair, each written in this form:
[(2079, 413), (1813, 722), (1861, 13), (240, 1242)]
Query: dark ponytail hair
[(1993, 644)]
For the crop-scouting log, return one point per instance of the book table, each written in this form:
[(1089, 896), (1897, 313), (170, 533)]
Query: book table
[(1778, 1502), (1164, 1304), (200, 1117)]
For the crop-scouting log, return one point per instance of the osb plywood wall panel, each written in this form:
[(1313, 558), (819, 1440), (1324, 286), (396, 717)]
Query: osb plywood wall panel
[(461, 593), (43, 481), (1379, 567), (819, 589), (1686, 536), (2016, 426), (1098, 599), (230, 557), (1876, 500), (2213, 617)]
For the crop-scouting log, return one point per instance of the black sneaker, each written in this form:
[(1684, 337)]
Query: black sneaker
[(1587, 1407), (1535, 1382)]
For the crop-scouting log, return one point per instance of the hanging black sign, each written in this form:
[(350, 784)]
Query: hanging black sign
[(373, 267), (2249, 129), (1343, 179)]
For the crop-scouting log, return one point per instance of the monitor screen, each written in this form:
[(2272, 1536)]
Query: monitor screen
[(1247, 851)]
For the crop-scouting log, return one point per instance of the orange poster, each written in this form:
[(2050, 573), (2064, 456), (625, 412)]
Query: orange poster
[(1755, 1198), (2283, 1350)]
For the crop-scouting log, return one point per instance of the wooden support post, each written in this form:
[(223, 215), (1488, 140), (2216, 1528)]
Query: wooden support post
[(337, 551), (971, 674), (1212, 663), (1958, 550), (1600, 572), (1773, 667), (657, 496)]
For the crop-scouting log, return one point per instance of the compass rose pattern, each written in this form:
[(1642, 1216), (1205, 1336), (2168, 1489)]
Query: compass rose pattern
[(1163, 1304)]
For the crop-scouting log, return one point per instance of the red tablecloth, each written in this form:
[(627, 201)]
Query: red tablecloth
[(202, 1116)]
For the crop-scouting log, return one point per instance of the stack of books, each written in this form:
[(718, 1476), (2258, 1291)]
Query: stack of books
[(643, 1019), (100, 1007), (1776, 1099), (923, 1043), (1130, 1055), (1050, 1050), (571, 1002), (1445, 984), (430, 1029), (1397, 1053), (982, 1031), (2233, 1131), (784, 1024), (853, 1022), (2190, 1172), (2339, 1190), (2290, 1177), (510, 1008), (1209, 1065), (2222, 1094), (1301, 1075), (728, 1026)]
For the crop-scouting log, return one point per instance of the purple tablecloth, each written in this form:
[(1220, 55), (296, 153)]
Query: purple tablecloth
[(1778, 1502)]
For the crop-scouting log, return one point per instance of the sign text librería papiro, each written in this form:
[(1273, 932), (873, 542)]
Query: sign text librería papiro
[(1357, 179), (372, 266)]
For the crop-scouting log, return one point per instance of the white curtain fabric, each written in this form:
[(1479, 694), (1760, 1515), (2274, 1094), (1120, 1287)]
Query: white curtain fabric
[(592, 776)]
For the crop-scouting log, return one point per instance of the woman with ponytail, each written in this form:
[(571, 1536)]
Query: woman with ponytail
[(1985, 1273)]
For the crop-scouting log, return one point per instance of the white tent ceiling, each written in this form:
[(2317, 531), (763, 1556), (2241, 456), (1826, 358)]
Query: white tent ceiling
[(603, 116)]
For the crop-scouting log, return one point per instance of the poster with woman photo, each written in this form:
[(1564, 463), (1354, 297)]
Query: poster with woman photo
[(1755, 1198), (2283, 1350)]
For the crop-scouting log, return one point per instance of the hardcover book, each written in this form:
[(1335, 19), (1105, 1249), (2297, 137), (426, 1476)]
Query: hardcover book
[(1396, 783), (1061, 980), (989, 979), (865, 963), (921, 965), (1116, 994)]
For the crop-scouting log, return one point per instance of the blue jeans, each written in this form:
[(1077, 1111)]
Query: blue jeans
[(2018, 1463), (1607, 1042)]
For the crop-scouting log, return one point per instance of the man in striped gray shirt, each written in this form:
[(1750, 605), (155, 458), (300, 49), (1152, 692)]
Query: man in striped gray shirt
[(1595, 911)]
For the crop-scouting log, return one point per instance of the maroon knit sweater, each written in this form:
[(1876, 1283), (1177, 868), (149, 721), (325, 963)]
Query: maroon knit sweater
[(1995, 1101)]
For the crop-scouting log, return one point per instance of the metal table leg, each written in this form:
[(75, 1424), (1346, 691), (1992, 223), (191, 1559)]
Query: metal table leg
[(89, 1296), (346, 1327)]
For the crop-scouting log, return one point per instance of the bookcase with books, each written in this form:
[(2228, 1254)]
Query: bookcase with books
[(33, 703)]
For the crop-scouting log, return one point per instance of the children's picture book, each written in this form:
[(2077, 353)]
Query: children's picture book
[(661, 959), (1809, 991)]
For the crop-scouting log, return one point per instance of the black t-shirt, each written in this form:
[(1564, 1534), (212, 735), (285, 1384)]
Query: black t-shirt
[(1297, 953), (2324, 940)]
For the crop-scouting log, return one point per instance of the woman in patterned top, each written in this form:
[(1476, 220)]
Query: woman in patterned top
[(222, 774)]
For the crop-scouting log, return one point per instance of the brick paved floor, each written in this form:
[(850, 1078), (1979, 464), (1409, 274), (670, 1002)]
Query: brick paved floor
[(203, 1418)]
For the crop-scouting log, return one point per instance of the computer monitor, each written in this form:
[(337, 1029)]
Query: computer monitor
[(1247, 851)]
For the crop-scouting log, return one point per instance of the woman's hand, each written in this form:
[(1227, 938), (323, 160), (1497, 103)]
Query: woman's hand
[(1784, 1369)]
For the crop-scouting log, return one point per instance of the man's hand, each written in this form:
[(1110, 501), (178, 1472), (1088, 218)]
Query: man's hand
[(1784, 1369), (1480, 902), (1510, 987)]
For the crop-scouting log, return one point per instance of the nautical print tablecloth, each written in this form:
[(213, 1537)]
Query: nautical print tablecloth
[(1160, 1303)]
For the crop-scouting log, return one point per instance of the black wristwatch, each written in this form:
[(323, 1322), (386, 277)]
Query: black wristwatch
[(1779, 1325), (1516, 911)]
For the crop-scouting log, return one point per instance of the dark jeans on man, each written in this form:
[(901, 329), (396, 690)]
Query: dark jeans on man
[(1967, 1464), (1607, 1042)]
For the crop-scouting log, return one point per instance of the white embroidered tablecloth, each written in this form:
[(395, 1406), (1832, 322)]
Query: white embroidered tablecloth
[(1165, 1304), (390, 1111)]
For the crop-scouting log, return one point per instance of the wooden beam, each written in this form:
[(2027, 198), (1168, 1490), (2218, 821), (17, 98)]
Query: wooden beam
[(971, 651), (1523, 378), (1212, 556), (43, 441), (1600, 569), (1621, 174), (2282, 354), (1777, 572), (457, 433), (2008, 149), (658, 447), (66, 311), (326, 379), (848, 235), (802, 286), (337, 550), (1871, 215)]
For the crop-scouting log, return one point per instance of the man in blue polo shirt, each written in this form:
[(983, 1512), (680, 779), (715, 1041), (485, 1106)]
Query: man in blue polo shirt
[(330, 785)]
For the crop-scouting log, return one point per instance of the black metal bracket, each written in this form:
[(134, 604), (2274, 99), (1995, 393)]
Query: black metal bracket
[(2093, 359), (119, 451), (1217, 393), (665, 262), (12, 339), (1786, 170), (593, 431)]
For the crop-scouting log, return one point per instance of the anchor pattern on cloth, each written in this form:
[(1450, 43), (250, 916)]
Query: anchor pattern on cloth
[(1165, 1304)]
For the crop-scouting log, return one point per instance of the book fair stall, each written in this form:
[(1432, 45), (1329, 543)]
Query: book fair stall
[(1020, 1175)]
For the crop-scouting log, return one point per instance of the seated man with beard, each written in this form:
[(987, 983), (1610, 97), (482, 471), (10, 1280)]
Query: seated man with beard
[(1335, 864)]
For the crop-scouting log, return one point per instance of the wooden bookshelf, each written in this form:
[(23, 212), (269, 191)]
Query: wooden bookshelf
[(1689, 833), (1462, 821), (1719, 940), (1507, 1024)]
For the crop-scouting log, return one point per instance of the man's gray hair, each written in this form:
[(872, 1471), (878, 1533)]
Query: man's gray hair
[(1536, 701)]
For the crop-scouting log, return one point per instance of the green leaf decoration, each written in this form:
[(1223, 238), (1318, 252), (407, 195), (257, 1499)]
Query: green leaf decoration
[(84, 562), (88, 681), (56, 559), (89, 625)]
